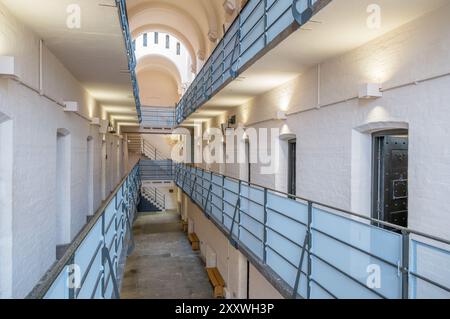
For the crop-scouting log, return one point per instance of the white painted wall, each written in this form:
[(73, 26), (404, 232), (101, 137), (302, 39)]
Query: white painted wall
[(29, 250), (333, 142), (162, 142)]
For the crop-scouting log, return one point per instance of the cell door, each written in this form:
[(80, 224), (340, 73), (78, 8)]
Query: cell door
[(292, 169), (391, 178)]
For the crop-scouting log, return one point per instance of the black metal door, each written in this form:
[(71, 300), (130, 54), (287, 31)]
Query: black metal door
[(392, 179)]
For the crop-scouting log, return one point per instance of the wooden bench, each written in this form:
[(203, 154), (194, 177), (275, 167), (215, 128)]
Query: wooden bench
[(216, 280), (195, 242), (184, 224)]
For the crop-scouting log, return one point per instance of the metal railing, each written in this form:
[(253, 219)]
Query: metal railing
[(156, 170), (155, 196), (258, 27), (89, 268), (320, 251), (158, 117), (122, 7), (151, 152)]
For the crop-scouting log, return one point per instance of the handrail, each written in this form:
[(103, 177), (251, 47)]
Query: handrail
[(158, 117), (123, 15), (332, 239), (150, 151), (43, 287), (156, 169), (341, 210), (157, 196)]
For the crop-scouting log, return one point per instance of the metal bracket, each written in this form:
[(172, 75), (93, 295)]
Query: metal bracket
[(184, 179), (105, 253), (234, 72), (300, 266), (302, 17), (205, 206), (236, 207), (130, 230), (192, 187)]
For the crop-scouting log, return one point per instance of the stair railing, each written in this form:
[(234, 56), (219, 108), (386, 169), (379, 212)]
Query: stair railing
[(151, 151), (155, 196)]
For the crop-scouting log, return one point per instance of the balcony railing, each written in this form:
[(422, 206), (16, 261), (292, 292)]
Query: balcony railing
[(158, 117), (122, 7), (160, 170), (316, 250), (259, 26), (89, 268)]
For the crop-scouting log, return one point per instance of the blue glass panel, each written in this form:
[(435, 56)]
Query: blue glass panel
[(333, 238), (379, 242), (433, 264), (255, 245), (286, 271), (338, 284), (59, 289), (291, 251), (298, 211)]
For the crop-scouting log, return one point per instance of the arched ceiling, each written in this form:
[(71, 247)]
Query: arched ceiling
[(197, 23), (162, 64)]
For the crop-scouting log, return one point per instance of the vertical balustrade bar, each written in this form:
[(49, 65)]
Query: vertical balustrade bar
[(239, 210), (103, 260), (72, 277), (405, 264), (223, 199), (265, 228), (265, 22), (310, 243)]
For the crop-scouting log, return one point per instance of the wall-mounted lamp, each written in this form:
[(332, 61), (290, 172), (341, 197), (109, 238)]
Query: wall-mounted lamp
[(7, 66), (281, 115), (103, 126), (95, 121), (70, 106), (111, 128), (370, 91)]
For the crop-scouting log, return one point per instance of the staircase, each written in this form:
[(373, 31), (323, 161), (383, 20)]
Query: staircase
[(155, 197), (134, 143), (150, 152)]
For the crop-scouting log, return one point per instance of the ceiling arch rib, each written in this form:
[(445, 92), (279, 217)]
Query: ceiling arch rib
[(213, 22)]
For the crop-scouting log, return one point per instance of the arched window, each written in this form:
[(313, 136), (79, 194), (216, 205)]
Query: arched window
[(144, 40), (156, 37), (178, 48), (167, 42)]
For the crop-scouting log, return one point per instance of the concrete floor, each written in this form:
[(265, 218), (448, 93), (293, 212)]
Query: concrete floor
[(163, 265)]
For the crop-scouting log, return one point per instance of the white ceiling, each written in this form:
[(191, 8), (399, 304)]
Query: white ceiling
[(94, 54), (338, 28)]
